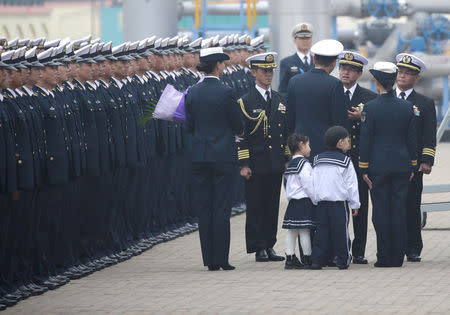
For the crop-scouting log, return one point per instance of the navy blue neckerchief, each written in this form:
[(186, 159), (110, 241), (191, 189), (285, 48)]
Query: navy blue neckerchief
[(332, 157), (295, 165)]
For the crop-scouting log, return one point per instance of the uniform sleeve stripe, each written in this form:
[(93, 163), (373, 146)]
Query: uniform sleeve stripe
[(363, 164), (428, 151), (243, 154), (414, 162)]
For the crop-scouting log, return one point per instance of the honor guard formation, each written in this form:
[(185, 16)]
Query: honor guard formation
[(84, 183), (87, 179)]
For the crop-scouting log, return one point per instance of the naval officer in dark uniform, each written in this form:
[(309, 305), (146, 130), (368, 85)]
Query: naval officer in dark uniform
[(409, 69), (316, 100), (350, 70), (213, 119), (301, 61), (388, 159), (262, 153)]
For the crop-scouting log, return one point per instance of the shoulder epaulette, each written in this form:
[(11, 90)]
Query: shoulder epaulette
[(332, 157), (295, 166)]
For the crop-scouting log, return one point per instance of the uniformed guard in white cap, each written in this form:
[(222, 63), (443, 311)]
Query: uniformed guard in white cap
[(262, 155), (212, 120), (302, 60), (388, 159), (350, 70), (409, 69), (316, 99)]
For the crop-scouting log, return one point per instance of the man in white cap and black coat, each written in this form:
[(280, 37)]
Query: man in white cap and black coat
[(213, 119), (388, 160), (302, 60), (409, 69), (316, 100), (262, 154), (350, 70)]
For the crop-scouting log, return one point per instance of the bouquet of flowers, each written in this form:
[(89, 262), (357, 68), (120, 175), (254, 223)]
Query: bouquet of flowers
[(170, 106)]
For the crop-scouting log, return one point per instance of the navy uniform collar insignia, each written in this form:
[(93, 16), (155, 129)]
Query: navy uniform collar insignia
[(295, 165), (332, 157)]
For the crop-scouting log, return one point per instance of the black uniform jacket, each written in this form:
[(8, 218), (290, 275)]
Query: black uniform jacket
[(425, 116), (213, 118), (360, 97), (388, 142), (263, 147), (289, 67), (316, 102)]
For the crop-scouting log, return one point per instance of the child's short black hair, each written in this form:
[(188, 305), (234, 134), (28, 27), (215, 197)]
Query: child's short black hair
[(294, 139), (333, 135)]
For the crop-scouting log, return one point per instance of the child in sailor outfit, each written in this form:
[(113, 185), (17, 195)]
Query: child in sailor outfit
[(335, 189), (298, 218)]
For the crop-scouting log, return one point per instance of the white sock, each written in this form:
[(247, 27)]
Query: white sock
[(305, 241), (291, 240)]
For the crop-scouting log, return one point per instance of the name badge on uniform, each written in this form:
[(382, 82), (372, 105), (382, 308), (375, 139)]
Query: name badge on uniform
[(416, 110), (294, 69), (257, 111)]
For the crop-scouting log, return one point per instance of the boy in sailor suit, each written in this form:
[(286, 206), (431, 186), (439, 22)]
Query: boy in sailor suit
[(335, 184)]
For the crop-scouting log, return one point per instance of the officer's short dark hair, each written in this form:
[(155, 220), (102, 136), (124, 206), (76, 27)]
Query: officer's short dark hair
[(325, 61), (293, 141), (333, 135), (207, 66)]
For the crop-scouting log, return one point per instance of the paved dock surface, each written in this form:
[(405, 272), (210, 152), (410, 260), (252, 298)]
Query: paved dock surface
[(170, 278)]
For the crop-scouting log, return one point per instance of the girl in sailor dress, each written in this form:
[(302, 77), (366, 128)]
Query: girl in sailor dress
[(298, 218)]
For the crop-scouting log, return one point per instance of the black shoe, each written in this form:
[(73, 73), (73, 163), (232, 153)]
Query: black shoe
[(227, 267), (7, 302), (292, 262), (261, 256), (315, 266), (413, 258), (213, 268), (273, 255), (342, 267), (2, 307), (331, 264), (380, 264), (360, 260)]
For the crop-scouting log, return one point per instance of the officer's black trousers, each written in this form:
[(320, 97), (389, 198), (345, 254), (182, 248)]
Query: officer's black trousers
[(360, 221), (413, 215), (262, 194), (388, 195), (211, 185), (332, 219)]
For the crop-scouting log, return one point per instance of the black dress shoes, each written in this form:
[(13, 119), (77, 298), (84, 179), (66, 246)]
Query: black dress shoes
[(2, 307), (273, 255), (213, 267), (292, 262), (315, 266), (380, 264), (413, 258), (261, 256), (360, 260), (228, 267)]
